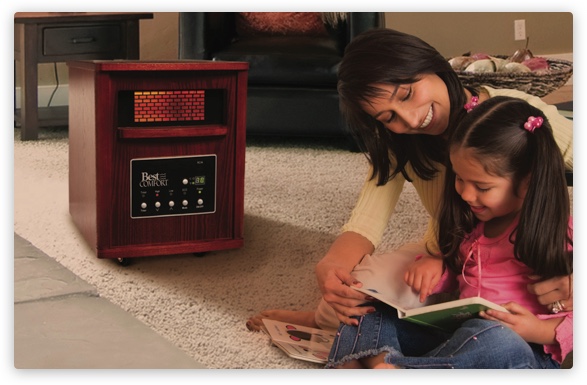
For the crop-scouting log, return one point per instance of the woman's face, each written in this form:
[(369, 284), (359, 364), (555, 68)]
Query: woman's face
[(422, 107)]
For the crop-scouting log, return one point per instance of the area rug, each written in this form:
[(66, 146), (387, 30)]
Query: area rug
[(298, 194)]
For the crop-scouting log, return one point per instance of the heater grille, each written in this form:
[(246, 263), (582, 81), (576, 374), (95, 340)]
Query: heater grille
[(169, 106), (147, 108)]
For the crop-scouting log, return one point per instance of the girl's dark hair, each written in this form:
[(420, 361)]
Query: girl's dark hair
[(391, 57), (494, 131)]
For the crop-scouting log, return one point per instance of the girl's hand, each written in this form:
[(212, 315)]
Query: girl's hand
[(334, 282), (524, 323), (554, 289), (423, 275)]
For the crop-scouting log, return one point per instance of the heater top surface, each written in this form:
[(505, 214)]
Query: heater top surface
[(179, 65)]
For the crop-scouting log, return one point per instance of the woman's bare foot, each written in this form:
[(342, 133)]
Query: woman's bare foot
[(302, 318)]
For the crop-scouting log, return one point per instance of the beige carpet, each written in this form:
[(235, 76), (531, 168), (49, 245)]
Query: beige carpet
[(297, 196)]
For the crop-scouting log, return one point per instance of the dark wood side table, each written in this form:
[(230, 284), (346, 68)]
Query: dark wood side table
[(48, 37)]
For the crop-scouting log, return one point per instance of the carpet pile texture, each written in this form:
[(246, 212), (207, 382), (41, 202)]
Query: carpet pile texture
[(298, 194)]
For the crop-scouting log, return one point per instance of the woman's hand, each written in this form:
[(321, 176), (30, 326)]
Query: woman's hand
[(554, 289), (333, 273), (424, 274), (336, 291), (524, 323)]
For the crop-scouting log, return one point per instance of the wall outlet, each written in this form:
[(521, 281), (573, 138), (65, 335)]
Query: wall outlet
[(520, 29)]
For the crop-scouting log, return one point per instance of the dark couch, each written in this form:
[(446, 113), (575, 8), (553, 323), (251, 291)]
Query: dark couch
[(292, 79)]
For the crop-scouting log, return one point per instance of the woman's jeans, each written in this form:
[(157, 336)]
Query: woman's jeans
[(477, 344)]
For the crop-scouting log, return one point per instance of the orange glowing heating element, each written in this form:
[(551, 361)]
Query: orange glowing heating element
[(168, 106)]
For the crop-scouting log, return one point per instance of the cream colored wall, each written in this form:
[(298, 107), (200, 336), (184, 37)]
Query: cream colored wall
[(159, 37), (452, 33)]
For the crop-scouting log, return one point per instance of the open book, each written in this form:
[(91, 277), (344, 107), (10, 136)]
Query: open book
[(445, 315), (300, 342), (384, 280)]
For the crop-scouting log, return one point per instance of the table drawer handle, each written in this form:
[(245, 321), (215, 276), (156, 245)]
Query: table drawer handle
[(82, 40)]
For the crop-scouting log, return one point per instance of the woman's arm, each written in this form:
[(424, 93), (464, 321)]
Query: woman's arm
[(360, 236)]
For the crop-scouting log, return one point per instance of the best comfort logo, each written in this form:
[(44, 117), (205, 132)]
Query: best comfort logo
[(153, 180)]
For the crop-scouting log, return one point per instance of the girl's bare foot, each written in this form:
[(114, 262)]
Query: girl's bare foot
[(302, 318)]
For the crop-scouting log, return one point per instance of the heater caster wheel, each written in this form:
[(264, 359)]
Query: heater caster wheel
[(123, 261)]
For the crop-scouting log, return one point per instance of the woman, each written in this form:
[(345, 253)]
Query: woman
[(503, 164), (401, 98)]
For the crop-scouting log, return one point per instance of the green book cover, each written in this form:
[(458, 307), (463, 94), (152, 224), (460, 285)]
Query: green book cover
[(449, 315)]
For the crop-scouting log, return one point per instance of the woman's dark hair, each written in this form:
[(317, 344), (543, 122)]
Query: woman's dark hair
[(391, 57), (494, 131)]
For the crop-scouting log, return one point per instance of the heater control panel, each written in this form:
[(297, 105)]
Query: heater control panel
[(172, 186)]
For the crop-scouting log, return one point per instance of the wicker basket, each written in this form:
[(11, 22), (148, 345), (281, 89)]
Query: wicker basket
[(534, 84)]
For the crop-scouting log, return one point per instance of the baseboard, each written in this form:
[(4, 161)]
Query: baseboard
[(61, 97)]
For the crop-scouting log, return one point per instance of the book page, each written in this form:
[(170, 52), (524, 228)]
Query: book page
[(382, 276)]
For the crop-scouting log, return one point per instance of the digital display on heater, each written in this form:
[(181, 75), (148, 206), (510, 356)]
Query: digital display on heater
[(200, 180)]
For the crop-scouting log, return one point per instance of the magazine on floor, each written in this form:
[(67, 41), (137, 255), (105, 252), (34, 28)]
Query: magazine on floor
[(300, 342)]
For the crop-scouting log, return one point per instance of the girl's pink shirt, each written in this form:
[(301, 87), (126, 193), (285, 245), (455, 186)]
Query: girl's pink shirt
[(492, 271), (505, 279)]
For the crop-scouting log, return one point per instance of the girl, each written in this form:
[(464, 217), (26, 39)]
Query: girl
[(505, 217), (401, 99)]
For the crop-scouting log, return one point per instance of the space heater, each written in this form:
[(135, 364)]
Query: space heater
[(157, 156)]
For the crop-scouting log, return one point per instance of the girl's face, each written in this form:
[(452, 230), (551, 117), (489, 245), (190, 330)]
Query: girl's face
[(422, 107), (492, 198)]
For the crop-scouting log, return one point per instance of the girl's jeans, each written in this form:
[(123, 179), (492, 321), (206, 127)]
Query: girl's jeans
[(477, 344)]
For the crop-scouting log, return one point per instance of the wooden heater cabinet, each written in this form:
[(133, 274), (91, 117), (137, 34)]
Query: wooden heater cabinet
[(157, 156)]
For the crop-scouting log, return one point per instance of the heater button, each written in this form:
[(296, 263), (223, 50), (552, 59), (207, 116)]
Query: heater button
[(143, 205), (157, 204), (200, 202), (171, 203), (185, 181), (184, 202)]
